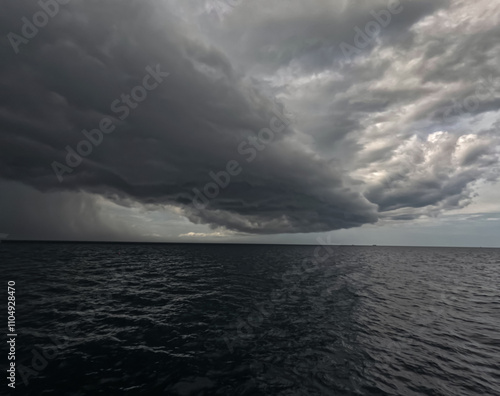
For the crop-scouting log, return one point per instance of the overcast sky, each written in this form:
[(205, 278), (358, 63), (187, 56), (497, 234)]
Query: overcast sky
[(285, 121)]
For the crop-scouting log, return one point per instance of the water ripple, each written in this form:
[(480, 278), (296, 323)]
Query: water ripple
[(237, 320)]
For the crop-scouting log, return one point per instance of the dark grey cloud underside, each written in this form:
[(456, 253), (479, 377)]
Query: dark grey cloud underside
[(65, 79)]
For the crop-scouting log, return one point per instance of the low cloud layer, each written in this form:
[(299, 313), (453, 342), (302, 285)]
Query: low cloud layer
[(255, 119)]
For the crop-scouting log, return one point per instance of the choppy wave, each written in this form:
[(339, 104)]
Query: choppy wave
[(248, 320)]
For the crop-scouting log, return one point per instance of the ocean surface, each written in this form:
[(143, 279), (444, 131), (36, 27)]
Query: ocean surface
[(113, 319)]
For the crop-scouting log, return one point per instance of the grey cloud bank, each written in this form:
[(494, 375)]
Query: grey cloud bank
[(122, 106), (79, 115)]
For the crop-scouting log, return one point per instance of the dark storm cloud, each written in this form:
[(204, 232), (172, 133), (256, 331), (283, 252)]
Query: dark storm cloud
[(421, 75), (193, 123), (363, 146)]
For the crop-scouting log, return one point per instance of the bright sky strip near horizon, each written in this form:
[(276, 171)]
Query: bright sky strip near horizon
[(370, 122)]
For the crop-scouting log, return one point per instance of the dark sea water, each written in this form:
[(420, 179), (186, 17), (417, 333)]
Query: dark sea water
[(116, 319)]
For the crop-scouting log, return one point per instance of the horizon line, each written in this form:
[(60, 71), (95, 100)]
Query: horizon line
[(13, 241)]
